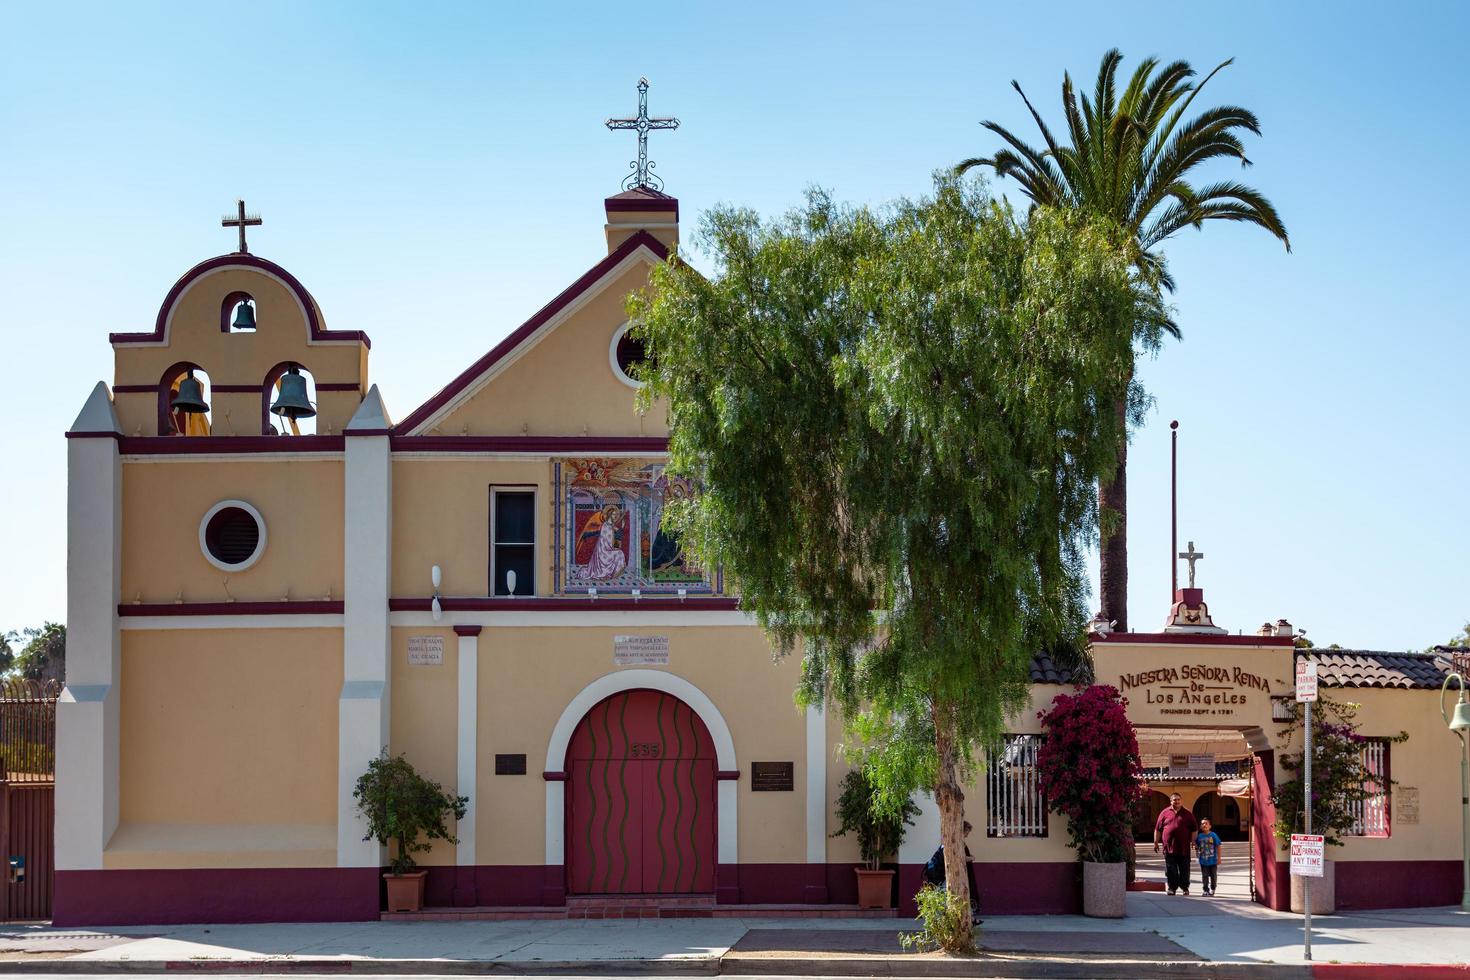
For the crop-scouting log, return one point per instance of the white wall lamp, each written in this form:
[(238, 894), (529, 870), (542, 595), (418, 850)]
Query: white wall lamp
[(592, 592), (436, 576), (510, 582), (683, 594)]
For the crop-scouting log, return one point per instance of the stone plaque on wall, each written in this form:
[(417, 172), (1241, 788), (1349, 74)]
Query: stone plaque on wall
[(510, 764), (641, 651), (772, 777), (1406, 804), (425, 651)]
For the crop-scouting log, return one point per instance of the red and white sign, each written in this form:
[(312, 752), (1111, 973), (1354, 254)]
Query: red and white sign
[(1306, 680), (1306, 855)]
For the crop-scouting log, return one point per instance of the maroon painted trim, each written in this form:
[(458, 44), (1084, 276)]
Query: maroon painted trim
[(500, 350), (294, 607), (571, 603), (201, 445), (235, 389), (134, 389), (1202, 639), (1399, 884), (338, 386), (528, 444), (467, 630), (95, 435), (153, 896), (727, 774), (554, 777), (313, 321), (615, 205), (367, 432)]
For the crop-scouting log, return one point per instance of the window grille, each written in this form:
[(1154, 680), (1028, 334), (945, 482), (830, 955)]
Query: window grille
[(1370, 816), (1014, 806)]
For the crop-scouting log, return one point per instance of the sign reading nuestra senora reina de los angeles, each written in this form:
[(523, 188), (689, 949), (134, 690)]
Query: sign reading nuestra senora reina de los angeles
[(1194, 689)]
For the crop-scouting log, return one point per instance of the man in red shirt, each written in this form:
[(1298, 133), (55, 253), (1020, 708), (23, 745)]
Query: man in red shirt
[(1175, 829)]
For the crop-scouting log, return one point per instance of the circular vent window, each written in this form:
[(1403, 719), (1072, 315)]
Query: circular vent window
[(232, 535), (626, 353)]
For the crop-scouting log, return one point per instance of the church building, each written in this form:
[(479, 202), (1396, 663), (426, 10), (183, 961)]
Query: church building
[(272, 578)]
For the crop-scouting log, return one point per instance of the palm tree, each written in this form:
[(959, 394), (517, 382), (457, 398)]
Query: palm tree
[(1128, 160)]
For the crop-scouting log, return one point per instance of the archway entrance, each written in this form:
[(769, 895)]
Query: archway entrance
[(640, 811)]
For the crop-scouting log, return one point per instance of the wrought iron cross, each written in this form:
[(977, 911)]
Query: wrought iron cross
[(642, 175), (1191, 556), (240, 220)]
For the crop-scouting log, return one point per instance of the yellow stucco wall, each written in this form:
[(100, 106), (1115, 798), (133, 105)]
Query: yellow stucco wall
[(441, 516), (529, 675), (1428, 762), (164, 499), (237, 358), (425, 719), (229, 748), (564, 385)]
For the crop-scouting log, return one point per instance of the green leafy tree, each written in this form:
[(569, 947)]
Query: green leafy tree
[(7, 653), (1461, 640), (879, 829), (43, 653), (898, 420), (1128, 158)]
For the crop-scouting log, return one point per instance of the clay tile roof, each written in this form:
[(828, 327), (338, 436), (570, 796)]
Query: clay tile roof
[(1377, 668), (1045, 671)]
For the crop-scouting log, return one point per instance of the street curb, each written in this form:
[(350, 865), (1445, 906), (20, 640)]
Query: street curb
[(705, 967), (1018, 967)]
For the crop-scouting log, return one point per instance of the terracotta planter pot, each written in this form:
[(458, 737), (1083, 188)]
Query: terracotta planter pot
[(875, 889), (1324, 891), (1105, 889), (405, 892)]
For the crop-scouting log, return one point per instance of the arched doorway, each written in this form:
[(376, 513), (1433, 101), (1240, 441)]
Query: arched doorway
[(1146, 814), (640, 810)]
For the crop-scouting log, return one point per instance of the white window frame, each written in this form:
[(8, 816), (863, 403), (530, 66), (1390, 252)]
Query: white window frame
[(1013, 790), (496, 489), (612, 357), (204, 542), (1371, 817)]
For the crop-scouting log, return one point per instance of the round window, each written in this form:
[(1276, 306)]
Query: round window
[(232, 535), (626, 353)]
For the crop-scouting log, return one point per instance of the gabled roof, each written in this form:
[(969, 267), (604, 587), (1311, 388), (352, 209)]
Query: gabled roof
[(1378, 668), (477, 370)]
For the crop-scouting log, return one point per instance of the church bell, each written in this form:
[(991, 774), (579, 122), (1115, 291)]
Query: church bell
[(291, 401), (190, 396), (1460, 720), (244, 316)]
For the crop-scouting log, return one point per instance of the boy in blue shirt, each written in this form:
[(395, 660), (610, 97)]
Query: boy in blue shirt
[(1207, 849)]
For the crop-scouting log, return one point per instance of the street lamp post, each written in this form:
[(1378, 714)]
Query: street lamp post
[(1459, 723)]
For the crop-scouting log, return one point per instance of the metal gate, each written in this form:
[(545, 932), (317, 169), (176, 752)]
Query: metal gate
[(27, 796)]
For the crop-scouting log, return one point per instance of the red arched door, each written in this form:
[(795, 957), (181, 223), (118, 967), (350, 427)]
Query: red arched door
[(640, 798)]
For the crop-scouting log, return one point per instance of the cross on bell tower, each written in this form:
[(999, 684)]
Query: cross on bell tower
[(240, 220), (642, 175)]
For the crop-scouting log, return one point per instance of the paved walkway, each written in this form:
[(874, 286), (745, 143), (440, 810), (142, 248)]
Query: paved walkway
[(1226, 931)]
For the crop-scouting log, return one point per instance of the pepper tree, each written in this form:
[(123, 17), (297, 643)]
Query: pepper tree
[(898, 419)]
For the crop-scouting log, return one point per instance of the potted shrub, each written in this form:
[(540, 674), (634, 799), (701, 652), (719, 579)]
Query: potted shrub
[(407, 811), (879, 831), (1088, 766), (1341, 784)]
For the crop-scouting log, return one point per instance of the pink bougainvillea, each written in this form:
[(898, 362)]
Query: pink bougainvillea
[(1089, 769)]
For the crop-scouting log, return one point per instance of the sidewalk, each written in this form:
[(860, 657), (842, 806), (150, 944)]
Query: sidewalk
[(1161, 937)]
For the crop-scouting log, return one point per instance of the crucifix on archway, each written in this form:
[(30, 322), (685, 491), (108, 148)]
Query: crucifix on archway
[(1191, 556)]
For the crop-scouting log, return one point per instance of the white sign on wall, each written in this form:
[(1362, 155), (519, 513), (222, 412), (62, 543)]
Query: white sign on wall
[(641, 651), (1195, 767), (1306, 680), (426, 651), (1306, 855)]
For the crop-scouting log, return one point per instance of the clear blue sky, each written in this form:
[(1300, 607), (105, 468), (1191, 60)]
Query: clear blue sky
[(434, 173)]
